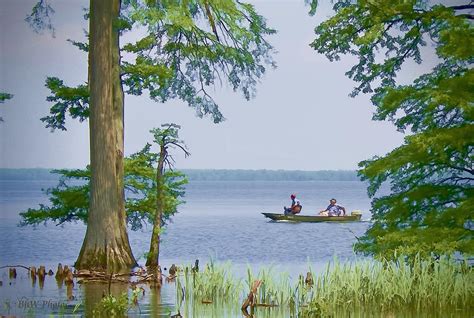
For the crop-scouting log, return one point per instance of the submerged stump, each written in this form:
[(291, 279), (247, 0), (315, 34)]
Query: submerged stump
[(33, 272), (41, 272), (41, 276), (172, 273), (195, 268), (250, 301), (59, 272), (69, 279), (12, 273), (309, 279)]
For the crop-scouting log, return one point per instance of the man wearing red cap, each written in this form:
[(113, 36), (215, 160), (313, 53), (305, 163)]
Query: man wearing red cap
[(295, 206)]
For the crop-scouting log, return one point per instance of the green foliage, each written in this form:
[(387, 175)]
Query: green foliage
[(423, 285), (168, 137), (111, 306), (430, 208), (40, 17), (215, 283), (195, 43), (313, 4), (72, 100), (80, 45), (3, 98), (187, 47), (274, 290), (69, 200), (140, 180), (367, 286)]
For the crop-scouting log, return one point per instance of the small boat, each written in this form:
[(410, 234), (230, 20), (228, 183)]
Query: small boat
[(355, 216)]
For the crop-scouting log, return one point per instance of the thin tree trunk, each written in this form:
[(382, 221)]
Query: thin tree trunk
[(154, 252), (106, 245)]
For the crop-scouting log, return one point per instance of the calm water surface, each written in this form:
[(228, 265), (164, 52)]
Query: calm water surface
[(220, 220)]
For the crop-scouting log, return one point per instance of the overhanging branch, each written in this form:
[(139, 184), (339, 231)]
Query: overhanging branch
[(462, 7)]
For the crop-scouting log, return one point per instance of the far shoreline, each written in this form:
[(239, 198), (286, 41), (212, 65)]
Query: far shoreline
[(207, 174)]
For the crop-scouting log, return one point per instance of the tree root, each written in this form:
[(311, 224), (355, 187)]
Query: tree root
[(22, 266), (83, 276)]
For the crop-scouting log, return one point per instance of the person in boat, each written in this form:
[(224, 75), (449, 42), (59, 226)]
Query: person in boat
[(295, 206), (333, 209)]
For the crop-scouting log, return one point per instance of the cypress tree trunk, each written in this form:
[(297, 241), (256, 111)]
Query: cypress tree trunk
[(152, 260), (106, 245)]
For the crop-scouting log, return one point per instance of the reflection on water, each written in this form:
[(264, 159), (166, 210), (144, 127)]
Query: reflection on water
[(24, 297), (19, 298), (92, 293)]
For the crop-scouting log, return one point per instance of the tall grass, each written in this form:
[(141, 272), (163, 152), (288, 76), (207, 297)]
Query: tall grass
[(275, 289), (422, 285), (214, 284)]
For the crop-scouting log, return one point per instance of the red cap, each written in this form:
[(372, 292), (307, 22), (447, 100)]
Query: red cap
[(293, 196)]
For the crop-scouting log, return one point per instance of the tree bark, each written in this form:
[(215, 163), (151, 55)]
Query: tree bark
[(106, 246), (154, 252)]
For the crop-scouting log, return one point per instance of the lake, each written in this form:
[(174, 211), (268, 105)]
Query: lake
[(221, 220)]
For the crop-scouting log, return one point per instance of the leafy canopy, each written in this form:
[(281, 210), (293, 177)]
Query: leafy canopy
[(3, 98), (168, 137), (431, 205), (69, 200), (183, 49)]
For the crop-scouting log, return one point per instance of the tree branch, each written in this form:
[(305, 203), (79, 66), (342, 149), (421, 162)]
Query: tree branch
[(186, 152), (462, 7), (470, 171), (22, 266), (467, 16)]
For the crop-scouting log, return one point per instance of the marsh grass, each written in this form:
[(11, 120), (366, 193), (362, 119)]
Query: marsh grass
[(275, 290), (214, 284), (423, 285)]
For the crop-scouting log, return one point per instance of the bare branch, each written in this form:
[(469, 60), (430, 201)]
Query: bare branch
[(186, 152), (462, 7), (22, 266)]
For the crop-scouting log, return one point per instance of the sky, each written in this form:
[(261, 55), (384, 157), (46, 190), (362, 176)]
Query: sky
[(301, 118)]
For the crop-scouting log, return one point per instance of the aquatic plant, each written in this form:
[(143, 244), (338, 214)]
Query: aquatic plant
[(117, 306), (274, 290), (111, 306), (214, 283), (420, 285)]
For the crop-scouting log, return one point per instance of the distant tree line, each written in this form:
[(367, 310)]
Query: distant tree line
[(270, 175), (210, 175), (28, 174)]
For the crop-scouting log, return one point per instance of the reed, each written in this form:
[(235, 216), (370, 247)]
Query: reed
[(421, 286), (275, 290), (214, 284)]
